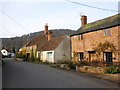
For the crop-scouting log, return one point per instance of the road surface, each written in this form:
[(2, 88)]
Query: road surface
[(20, 74)]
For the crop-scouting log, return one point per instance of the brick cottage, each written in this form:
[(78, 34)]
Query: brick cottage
[(97, 41)]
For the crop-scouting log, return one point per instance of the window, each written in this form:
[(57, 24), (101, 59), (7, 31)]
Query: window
[(80, 37), (81, 56), (109, 32), (105, 32)]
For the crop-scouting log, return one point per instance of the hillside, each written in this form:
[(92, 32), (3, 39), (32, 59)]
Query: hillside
[(18, 42)]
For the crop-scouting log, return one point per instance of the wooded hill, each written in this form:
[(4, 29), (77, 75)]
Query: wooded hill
[(18, 42)]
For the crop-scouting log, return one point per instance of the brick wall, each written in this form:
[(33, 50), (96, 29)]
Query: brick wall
[(92, 39)]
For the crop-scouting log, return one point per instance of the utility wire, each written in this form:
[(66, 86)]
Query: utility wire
[(14, 20), (91, 6), (9, 32)]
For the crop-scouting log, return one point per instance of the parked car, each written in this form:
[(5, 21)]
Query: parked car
[(5, 53)]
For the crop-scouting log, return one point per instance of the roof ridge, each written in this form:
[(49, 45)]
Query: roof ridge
[(100, 24)]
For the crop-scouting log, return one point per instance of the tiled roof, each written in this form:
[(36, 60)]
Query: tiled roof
[(38, 40), (52, 44), (43, 44), (100, 24)]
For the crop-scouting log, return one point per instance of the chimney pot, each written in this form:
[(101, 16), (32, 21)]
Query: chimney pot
[(83, 20), (46, 29)]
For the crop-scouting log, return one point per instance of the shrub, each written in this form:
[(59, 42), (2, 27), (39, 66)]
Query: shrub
[(83, 63), (72, 66), (113, 69), (19, 55)]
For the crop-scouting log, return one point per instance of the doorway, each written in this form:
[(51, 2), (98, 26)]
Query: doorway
[(49, 59)]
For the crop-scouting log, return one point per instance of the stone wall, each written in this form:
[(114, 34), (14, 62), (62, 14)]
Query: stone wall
[(91, 69)]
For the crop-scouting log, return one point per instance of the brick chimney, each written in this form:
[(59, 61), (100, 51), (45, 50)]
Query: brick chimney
[(83, 20), (49, 36), (46, 29)]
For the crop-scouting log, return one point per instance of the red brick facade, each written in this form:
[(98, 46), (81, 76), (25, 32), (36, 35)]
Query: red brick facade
[(87, 41)]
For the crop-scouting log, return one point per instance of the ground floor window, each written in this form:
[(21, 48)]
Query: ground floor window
[(80, 56), (108, 57)]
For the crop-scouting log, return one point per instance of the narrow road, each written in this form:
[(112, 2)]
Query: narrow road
[(19, 74)]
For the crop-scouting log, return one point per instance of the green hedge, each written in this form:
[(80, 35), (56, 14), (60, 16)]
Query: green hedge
[(113, 69)]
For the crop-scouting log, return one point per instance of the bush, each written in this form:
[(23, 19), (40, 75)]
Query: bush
[(83, 63), (72, 66), (19, 55), (113, 69)]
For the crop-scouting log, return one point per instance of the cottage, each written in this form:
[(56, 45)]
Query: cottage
[(97, 41), (45, 47), (55, 50)]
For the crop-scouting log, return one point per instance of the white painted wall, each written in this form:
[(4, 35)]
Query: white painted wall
[(44, 56)]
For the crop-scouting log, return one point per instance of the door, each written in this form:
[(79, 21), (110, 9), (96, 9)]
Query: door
[(49, 57), (108, 56)]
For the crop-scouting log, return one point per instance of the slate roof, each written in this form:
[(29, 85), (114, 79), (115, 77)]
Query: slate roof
[(100, 24), (43, 44)]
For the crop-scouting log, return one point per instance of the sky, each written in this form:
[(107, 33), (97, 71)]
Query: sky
[(20, 17)]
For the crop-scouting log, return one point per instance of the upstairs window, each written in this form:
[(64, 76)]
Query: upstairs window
[(109, 32), (80, 37), (105, 32)]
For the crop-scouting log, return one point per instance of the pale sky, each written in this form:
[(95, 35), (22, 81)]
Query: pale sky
[(59, 14)]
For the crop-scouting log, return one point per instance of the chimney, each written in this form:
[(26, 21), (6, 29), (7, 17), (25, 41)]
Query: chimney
[(83, 20), (49, 36), (46, 29)]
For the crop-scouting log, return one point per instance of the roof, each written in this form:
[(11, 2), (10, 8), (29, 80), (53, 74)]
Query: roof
[(52, 44), (38, 40), (100, 24), (43, 44)]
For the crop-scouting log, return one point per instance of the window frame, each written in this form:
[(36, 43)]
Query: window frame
[(80, 37), (105, 32), (81, 56), (109, 31)]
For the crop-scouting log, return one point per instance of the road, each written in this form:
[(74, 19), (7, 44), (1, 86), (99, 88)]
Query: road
[(19, 74)]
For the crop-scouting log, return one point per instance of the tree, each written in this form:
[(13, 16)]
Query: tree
[(102, 47)]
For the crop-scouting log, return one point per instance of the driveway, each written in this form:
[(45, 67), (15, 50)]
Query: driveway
[(20, 74)]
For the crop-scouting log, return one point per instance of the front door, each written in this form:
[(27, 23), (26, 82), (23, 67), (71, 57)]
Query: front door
[(108, 56)]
